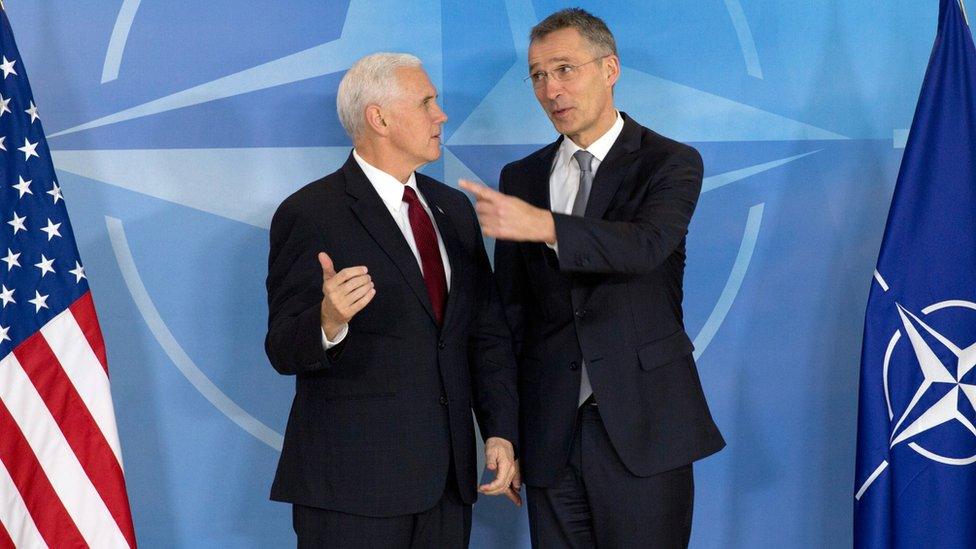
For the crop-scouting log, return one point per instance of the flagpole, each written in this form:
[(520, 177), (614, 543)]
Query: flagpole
[(962, 6)]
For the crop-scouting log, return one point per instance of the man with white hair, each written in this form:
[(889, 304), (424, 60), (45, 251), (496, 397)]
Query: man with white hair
[(382, 304)]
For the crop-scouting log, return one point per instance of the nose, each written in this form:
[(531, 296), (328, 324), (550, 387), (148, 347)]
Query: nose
[(551, 88), (439, 115)]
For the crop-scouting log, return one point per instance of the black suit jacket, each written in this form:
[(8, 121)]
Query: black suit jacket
[(612, 296), (377, 419)]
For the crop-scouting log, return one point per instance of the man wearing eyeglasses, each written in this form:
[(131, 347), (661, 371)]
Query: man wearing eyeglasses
[(590, 259)]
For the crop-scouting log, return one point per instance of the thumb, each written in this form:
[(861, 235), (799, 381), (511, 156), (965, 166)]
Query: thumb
[(328, 269)]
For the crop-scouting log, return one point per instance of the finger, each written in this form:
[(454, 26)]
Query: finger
[(355, 295), (362, 302), (505, 471), (502, 479), (481, 192), (495, 488), (352, 283), (515, 496), (484, 210), (348, 273), (492, 489), (493, 485), (328, 269), (338, 288), (517, 478), (488, 222)]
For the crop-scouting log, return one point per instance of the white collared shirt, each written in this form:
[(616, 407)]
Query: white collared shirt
[(564, 178), (391, 193), (565, 175)]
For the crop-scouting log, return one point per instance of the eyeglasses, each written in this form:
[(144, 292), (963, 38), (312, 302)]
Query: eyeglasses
[(562, 73)]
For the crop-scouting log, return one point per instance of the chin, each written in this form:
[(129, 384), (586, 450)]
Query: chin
[(563, 128), (560, 123)]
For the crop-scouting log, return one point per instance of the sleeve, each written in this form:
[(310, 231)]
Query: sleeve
[(326, 344), (294, 340), (490, 357), (639, 245)]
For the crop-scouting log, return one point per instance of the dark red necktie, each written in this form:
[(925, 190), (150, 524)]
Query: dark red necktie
[(430, 254)]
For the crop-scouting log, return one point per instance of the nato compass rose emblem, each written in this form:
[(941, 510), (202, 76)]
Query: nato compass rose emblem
[(939, 375)]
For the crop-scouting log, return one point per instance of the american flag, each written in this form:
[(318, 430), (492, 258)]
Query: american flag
[(61, 478)]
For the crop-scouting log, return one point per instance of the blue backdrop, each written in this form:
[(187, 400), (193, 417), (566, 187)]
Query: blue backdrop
[(178, 126)]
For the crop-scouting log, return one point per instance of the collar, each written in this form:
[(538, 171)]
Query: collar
[(598, 148), (388, 187)]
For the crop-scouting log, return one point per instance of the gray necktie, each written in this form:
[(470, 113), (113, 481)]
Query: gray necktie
[(585, 161)]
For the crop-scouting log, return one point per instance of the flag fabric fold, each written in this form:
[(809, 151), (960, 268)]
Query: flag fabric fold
[(61, 477), (915, 477)]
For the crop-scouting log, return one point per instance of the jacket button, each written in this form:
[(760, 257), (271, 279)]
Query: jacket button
[(444, 400), (573, 365), (441, 345), (580, 313)]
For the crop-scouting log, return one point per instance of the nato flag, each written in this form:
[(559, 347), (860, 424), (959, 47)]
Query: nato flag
[(915, 482)]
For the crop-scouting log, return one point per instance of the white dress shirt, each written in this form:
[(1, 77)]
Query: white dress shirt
[(565, 175), (391, 192), (564, 179)]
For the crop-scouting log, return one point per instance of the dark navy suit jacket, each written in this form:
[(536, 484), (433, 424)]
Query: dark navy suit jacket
[(377, 419), (612, 297)]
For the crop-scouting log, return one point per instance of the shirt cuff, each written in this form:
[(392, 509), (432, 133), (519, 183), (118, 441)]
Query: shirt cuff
[(554, 247), (326, 344)]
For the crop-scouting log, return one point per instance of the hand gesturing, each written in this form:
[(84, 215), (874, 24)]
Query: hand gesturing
[(345, 293)]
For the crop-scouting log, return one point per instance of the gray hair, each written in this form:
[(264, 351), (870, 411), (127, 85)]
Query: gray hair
[(370, 81), (591, 27)]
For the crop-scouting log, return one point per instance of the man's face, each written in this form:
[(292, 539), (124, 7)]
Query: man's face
[(575, 106), (415, 118)]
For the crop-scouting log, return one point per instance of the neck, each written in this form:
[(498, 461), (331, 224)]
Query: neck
[(603, 124), (379, 157)]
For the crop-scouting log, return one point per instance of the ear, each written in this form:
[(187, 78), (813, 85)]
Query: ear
[(611, 67), (375, 120)]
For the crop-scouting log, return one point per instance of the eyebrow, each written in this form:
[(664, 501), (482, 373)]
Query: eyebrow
[(534, 66)]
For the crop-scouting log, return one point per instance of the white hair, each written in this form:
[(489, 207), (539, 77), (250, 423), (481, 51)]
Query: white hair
[(370, 81)]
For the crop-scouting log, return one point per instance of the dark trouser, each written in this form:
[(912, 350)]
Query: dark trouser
[(597, 502), (447, 525)]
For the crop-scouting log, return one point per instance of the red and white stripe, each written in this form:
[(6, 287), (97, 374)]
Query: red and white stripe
[(61, 478)]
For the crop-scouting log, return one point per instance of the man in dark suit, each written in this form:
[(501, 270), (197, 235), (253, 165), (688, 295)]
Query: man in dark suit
[(382, 304), (590, 259)]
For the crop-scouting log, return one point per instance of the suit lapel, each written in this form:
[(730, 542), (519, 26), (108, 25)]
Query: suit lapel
[(450, 237), (534, 188), (535, 179), (376, 219), (613, 169)]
